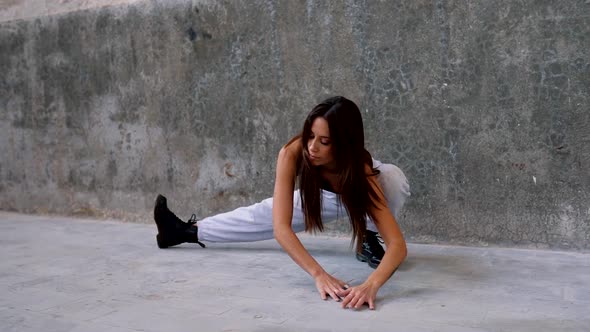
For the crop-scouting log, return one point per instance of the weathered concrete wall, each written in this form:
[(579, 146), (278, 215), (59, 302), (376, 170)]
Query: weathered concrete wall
[(485, 105)]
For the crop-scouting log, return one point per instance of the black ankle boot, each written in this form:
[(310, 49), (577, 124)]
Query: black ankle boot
[(372, 252), (171, 230)]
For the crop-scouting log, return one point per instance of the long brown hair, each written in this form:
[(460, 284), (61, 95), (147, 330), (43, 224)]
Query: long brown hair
[(348, 147)]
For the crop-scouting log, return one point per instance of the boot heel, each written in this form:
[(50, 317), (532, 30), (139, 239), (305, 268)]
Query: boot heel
[(161, 243)]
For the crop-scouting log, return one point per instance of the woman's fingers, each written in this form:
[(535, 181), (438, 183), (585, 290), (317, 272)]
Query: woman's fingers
[(344, 292), (329, 286), (355, 299), (356, 302), (371, 304), (359, 303), (330, 292), (347, 300), (334, 296), (352, 297)]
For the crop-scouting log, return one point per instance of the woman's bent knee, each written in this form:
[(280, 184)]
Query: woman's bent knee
[(395, 186)]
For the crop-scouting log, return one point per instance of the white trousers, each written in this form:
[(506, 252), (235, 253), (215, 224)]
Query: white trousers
[(254, 222)]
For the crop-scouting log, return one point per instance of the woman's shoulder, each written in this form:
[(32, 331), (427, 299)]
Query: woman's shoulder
[(291, 152), (293, 147)]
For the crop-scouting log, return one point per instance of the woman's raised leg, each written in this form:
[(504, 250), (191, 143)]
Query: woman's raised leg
[(254, 222)]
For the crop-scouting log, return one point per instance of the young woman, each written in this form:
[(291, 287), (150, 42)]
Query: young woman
[(336, 176)]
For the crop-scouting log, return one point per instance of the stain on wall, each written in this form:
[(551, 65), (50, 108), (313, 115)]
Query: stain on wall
[(484, 105)]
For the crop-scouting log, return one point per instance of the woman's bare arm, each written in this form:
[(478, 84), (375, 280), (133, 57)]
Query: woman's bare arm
[(395, 253), (282, 213), (395, 243)]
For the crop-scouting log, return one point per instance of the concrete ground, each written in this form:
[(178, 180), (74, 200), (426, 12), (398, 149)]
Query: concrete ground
[(63, 274)]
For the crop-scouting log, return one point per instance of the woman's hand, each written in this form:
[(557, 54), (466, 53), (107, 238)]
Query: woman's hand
[(355, 297), (328, 285)]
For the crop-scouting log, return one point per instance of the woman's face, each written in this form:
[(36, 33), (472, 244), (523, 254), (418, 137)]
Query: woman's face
[(319, 144)]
